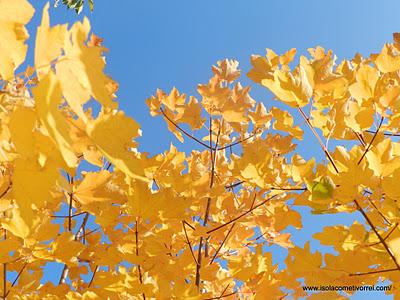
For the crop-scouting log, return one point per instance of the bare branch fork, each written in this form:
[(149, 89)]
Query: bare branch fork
[(191, 136), (78, 234)]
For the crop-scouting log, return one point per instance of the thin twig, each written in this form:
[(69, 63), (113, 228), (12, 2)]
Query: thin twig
[(386, 237), (373, 139), (374, 272), (384, 133), (223, 292), (94, 274), (72, 216), (16, 279), (206, 214), (288, 189), (6, 191), (238, 142), (184, 131), (78, 234), (233, 185), (193, 228), (360, 138), (5, 270), (318, 138), (241, 215), (70, 205), (64, 272), (137, 254), (220, 297), (222, 244), (64, 275), (379, 212), (188, 242), (377, 234)]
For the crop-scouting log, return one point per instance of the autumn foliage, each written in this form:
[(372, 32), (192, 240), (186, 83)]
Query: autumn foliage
[(75, 190)]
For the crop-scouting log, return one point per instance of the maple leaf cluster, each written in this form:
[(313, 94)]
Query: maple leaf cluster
[(75, 190)]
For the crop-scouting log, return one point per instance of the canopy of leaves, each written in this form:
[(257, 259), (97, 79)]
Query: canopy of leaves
[(75, 190)]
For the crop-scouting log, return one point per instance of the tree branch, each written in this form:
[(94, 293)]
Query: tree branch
[(137, 254), (189, 243), (377, 234), (222, 244), (237, 143), (241, 215), (94, 274), (374, 272), (318, 138), (184, 131), (373, 139)]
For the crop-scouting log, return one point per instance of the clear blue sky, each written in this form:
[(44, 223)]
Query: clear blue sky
[(161, 44)]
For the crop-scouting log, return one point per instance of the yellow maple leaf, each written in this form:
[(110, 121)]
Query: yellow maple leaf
[(49, 42), (388, 60), (80, 71), (13, 16), (47, 96), (112, 133)]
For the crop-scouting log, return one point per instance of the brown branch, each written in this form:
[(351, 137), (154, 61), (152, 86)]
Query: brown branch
[(213, 157), (4, 280), (288, 189), (193, 228), (189, 243), (386, 237), (16, 279), (221, 296), (137, 254), (379, 212), (377, 234), (241, 215), (73, 216), (184, 131), (374, 272), (237, 143), (254, 201), (6, 191), (222, 244), (373, 139), (384, 133), (82, 227), (5, 270), (71, 195), (223, 292), (94, 274), (318, 138), (233, 185), (64, 272), (360, 138), (89, 233), (198, 266)]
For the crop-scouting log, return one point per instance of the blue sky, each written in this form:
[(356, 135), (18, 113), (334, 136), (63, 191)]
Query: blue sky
[(162, 44)]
